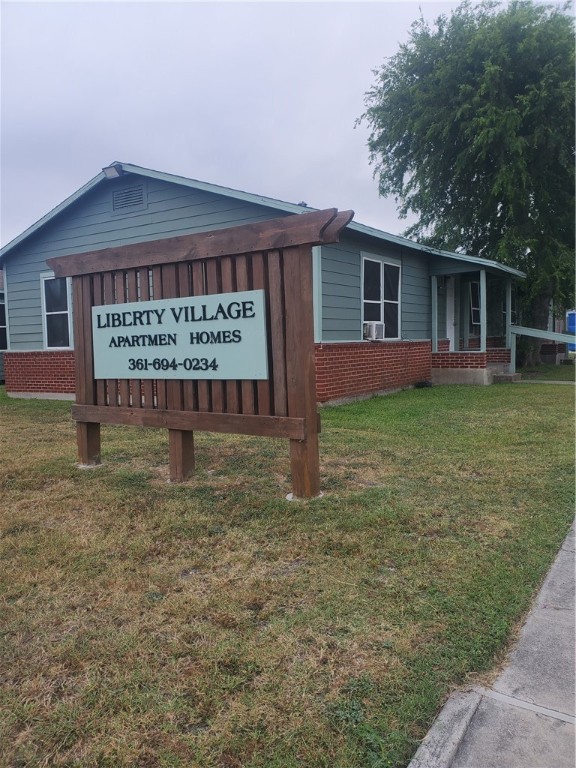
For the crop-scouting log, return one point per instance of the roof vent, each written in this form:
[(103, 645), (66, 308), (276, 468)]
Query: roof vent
[(129, 198)]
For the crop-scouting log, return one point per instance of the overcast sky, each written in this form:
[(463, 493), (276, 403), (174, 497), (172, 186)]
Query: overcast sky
[(259, 96)]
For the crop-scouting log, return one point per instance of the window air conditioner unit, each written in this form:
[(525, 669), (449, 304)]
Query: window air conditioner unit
[(374, 331)]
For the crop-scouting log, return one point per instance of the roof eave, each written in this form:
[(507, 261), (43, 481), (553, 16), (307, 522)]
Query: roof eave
[(406, 243), (258, 200)]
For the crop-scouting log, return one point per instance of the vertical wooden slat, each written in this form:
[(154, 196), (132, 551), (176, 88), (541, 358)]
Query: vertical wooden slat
[(157, 290), (147, 384), (120, 287), (277, 333), (263, 388), (200, 290), (86, 312), (189, 396), (213, 286), (98, 299), (228, 286), (301, 373), (108, 288), (242, 284), (79, 341), (131, 296), (170, 290)]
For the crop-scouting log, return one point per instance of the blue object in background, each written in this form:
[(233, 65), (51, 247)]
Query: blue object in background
[(571, 327)]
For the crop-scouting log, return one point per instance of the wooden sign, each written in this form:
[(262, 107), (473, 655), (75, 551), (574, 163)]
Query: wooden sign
[(178, 309)]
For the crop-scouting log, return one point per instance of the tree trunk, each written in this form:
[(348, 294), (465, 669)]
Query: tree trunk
[(535, 315)]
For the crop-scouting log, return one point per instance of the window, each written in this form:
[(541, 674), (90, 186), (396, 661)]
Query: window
[(474, 305), (56, 312), (3, 332), (381, 296)]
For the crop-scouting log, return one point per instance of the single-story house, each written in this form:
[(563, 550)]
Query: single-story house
[(388, 312)]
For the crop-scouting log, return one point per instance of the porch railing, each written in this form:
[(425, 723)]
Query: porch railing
[(537, 333)]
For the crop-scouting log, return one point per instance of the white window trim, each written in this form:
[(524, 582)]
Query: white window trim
[(393, 263), (5, 326), (51, 276), (7, 313), (474, 308), (5, 302)]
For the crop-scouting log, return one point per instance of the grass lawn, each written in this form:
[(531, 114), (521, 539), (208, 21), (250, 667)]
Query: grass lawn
[(546, 372), (214, 624)]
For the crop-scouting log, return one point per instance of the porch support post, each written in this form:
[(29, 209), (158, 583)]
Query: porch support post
[(508, 313), (465, 314), (434, 289), (483, 312)]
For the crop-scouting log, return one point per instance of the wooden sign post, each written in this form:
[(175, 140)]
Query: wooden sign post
[(211, 331)]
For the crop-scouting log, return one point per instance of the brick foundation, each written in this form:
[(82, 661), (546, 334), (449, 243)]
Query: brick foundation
[(469, 358), (459, 359), (347, 370), (39, 372), (342, 370), (491, 341), (498, 356)]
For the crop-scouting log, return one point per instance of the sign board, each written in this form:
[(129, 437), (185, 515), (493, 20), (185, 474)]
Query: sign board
[(217, 337), (210, 331)]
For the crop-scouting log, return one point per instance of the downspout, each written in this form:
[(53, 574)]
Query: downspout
[(317, 292)]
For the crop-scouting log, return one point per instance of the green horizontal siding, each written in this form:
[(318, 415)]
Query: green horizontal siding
[(341, 311), (341, 289), (416, 298), (90, 224)]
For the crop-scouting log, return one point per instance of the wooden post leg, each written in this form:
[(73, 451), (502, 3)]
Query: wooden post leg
[(305, 460), (88, 437), (181, 446)]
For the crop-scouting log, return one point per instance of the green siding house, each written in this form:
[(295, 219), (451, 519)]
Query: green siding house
[(388, 312)]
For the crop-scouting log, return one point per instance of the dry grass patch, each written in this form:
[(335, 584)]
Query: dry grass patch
[(215, 624)]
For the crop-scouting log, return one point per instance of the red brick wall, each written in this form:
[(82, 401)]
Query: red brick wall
[(342, 370), (498, 355), (49, 372), (491, 341), (459, 359), (345, 370)]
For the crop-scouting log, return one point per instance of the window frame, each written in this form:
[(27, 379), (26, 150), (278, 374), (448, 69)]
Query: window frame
[(382, 261), (44, 278), (473, 308)]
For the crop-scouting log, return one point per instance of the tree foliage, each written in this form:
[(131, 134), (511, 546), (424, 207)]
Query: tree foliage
[(472, 129)]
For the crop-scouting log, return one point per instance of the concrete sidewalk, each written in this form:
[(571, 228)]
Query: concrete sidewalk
[(526, 719)]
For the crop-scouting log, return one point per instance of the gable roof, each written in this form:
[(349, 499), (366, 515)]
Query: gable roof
[(269, 202)]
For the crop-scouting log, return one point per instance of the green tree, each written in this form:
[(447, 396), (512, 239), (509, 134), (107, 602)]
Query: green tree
[(472, 130)]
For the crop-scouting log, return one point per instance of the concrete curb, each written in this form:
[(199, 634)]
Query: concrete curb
[(526, 719), (440, 745)]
